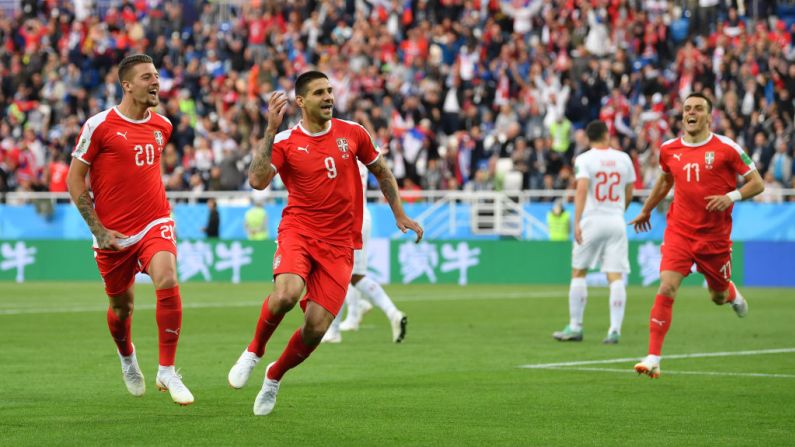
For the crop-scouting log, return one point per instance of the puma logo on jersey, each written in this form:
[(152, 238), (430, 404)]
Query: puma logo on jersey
[(122, 134), (305, 149), (678, 157)]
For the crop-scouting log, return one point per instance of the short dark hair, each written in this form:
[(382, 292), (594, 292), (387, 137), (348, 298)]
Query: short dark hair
[(596, 130), (302, 83), (131, 61), (702, 96)]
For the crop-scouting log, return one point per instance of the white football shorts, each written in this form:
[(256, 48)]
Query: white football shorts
[(604, 245), (360, 256)]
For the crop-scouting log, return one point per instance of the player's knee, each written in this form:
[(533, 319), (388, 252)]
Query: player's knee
[(313, 333), (283, 300), (667, 289), (166, 281), (122, 310), (718, 298)]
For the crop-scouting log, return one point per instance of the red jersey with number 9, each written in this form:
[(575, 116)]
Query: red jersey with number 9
[(322, 178), (124, 159), (700, 170)]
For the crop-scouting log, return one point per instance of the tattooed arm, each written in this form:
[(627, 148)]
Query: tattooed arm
[(76, 180), (261, 172), (388, 185)]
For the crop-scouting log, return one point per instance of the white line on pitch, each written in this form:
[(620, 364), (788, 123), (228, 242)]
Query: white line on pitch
[(668, 371), (665, 357)]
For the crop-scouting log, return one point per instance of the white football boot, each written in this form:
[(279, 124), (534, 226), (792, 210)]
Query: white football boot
[(132, 375), (241, 370), (266, 398), (168, 380)]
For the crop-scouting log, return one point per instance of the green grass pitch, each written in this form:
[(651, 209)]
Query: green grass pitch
[(456, 380)]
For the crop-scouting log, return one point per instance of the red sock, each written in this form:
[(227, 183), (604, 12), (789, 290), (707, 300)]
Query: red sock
[(659, 322), (732, 293), (168, 313), (295, 353), (120, 331), (267, 323)]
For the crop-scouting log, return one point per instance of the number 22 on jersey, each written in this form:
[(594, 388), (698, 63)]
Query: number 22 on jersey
[(606, 192)]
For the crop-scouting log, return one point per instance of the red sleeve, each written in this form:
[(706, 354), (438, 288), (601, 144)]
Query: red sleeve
[(277, 155), (89, 142), (366, 149), (740, 161), (664, 161)]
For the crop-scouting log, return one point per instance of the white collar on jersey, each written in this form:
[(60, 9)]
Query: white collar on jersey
[(322, 132), (700, 143), (126, 118)]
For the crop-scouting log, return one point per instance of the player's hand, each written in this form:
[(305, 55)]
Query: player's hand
[(718, 203), (277, 106), (641, 222), (578, 233), (109, 240), (404, 223)]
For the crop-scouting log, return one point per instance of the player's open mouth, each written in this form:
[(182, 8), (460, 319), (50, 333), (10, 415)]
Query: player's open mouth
[(691, 121), (153, 92), (327, 107)]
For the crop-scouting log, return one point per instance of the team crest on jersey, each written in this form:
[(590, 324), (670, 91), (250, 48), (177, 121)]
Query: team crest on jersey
[(159, 137), (342, 144), (709, 159)]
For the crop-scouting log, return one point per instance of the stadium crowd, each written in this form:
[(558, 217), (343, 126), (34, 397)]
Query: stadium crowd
[(446, 87)]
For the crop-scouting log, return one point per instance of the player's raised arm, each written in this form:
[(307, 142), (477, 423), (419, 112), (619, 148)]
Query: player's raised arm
[(660, 190), (389, 188), (753, 185), (261, 172), (76, 181)]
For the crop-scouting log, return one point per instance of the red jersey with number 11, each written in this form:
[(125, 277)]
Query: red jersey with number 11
[(321, 175), (124, 156), (709, 168)]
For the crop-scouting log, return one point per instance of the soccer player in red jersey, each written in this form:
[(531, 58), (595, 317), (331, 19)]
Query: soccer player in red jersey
[(320, 227), (129, 217), (704, 166)]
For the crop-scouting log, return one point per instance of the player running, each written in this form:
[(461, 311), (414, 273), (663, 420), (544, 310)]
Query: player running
[(129, 217), (704, 166), (320, 227)]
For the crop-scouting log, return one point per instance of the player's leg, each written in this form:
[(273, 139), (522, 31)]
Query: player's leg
[(618, 301), (334, 333), (615, 265), (162, 268), (583, 257), (118, 273), (717, 269), (326, 284), (578, 298), (374, 292), (287, 289), (660, 321), (355, 309), (291, 265)]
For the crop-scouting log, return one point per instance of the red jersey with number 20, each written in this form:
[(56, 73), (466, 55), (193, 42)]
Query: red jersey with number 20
[(322, 178), (124, 159), (700, 170)]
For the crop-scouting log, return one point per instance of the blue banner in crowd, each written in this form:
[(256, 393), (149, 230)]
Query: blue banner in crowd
[(752, 222)]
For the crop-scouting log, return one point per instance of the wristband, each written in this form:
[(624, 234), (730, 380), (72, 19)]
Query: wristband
[(735, 195)]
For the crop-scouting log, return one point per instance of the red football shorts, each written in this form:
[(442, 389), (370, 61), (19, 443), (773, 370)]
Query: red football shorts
[(118, 268), (712, 258), (325, 268)]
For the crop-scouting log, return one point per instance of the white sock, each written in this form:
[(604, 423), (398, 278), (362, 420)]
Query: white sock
[(161, 370), (618, 301), (376, 294), (352, 303), (578, 298)]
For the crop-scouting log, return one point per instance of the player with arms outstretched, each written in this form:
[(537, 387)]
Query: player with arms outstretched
[(320, 227), (604, 189), (129, 217), (704, 167)]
